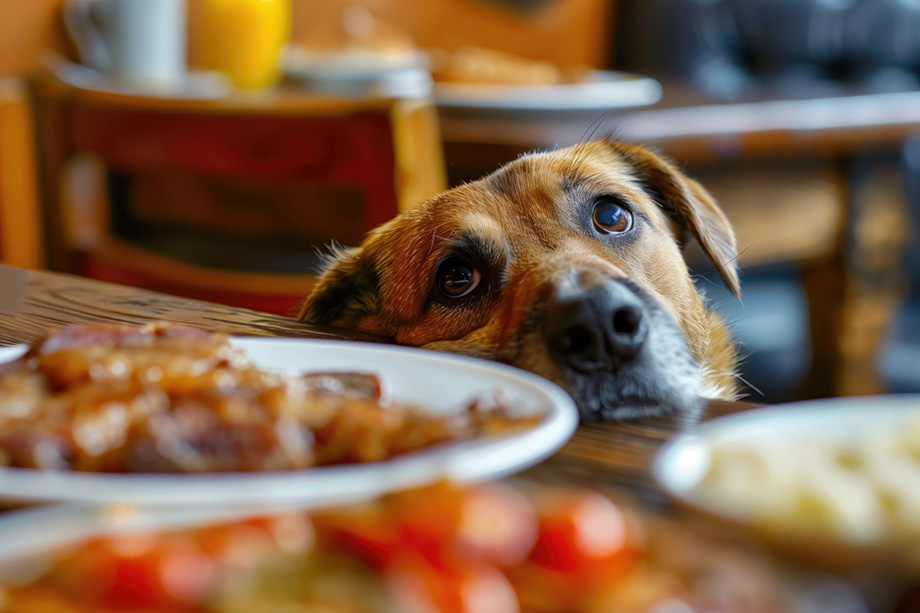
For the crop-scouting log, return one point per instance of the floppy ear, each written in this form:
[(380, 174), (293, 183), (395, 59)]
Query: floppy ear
[(347, 289), (691, 207)]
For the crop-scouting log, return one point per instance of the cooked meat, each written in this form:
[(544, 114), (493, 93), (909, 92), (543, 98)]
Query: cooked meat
[(167, 398)]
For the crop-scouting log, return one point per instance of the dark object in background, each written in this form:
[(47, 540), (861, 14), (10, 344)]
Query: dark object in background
[(703, 44), (732, 48), (884, 42), (770, 325)]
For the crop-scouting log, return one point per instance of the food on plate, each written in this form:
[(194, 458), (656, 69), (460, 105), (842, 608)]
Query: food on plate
[(863, 488), (358, 43), (472, 64), (444, 548), (355, 41), (168, 398), (481, 65)]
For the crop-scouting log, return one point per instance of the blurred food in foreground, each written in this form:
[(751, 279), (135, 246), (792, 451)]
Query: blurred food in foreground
[(168, 398), (444, 548), (861, 488)]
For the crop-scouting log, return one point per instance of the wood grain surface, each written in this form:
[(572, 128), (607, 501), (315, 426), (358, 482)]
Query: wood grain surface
[(34, 302)]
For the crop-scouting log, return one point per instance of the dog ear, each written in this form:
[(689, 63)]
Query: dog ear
[(347, 290), (690, 206)]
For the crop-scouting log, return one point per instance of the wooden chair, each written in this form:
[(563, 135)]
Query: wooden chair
[(227, 200)]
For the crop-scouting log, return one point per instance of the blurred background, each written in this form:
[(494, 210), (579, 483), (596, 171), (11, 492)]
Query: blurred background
[(214, 148)]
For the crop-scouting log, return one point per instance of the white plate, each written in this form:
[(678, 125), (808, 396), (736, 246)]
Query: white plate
[(28, 534), (439, 382), (683, 463), (198, 85), (359, 74), (604, 90)]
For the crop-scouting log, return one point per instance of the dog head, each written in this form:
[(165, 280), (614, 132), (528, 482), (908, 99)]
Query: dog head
[(567, 264)]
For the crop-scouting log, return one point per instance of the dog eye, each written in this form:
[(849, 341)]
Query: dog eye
[(610, 217), (457, 277)]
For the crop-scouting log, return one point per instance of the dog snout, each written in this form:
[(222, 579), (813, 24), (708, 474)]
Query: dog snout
[(601, 328)]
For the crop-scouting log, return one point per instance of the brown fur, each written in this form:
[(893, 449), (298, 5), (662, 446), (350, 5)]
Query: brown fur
[(527, 219)]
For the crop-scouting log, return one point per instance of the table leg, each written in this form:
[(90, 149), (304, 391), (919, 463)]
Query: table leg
[(854, 294)]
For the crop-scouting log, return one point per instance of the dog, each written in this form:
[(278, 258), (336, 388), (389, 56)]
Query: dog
[(565, 263)]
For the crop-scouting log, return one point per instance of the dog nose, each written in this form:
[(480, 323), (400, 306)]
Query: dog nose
[(596, 329)]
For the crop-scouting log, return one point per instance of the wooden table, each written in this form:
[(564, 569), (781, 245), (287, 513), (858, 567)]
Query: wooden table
[(608, 455), (611, 457), (687, 124)]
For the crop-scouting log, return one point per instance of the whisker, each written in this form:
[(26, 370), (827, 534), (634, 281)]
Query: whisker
[(750, 385), (594, 126), (588, 135), (713, 283), (329, 253), (743, 251)]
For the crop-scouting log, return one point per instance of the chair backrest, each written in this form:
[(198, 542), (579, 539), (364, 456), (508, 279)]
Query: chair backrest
[(230, 200)]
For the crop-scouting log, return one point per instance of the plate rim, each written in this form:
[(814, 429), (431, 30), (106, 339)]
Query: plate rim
[(642, 90), (400, 472)]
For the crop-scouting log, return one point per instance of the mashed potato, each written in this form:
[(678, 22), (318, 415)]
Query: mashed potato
[(859, 489)]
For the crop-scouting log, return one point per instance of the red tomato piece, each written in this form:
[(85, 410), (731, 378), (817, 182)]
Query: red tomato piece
[(420, 587), (584, 543), (484, 523), (580, 531), (367, 535)]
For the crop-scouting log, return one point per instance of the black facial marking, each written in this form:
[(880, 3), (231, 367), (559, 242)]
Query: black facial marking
[(643, 177), (352, 292), (573, 184), (677, 221)]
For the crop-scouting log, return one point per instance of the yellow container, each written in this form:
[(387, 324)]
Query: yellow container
[(243, 39)]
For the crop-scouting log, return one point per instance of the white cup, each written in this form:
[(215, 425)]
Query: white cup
[(133, 41)]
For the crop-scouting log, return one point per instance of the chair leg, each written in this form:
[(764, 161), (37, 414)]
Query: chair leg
[(20, 227), (854, 294)]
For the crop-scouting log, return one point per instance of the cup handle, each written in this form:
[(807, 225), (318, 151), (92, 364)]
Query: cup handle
[(86, 34)]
